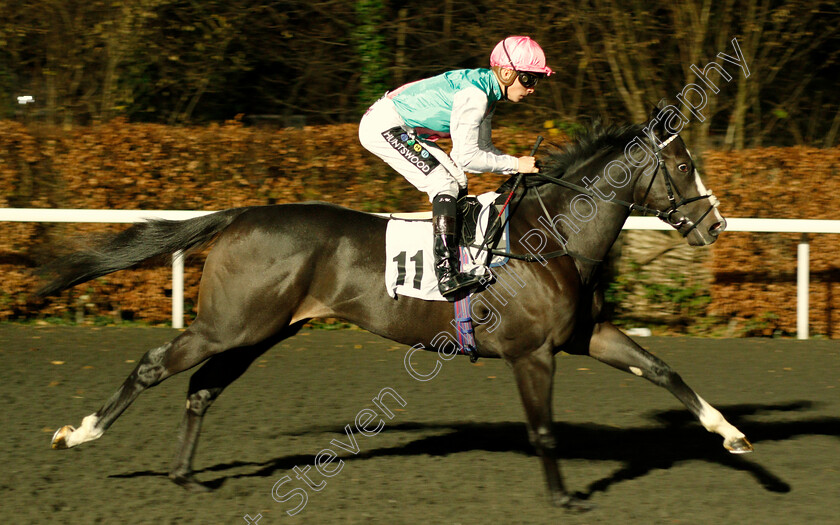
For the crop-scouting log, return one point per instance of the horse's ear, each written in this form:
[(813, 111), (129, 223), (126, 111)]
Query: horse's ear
[(662, 104)]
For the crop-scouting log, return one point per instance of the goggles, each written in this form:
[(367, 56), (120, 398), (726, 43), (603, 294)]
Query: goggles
[(528, 79)]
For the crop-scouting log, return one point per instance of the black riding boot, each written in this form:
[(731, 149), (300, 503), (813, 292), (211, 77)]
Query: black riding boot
[(447, 260)]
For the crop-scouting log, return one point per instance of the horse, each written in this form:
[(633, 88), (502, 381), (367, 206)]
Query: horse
[(273, 268)]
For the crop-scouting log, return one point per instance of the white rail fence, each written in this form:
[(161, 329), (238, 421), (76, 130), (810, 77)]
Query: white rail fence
[(803, 226)]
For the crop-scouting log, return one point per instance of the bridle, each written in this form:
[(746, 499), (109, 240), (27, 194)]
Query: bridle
[(667, 215), (672, 215)]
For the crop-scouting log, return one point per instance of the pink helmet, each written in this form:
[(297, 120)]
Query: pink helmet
[(520, 53)]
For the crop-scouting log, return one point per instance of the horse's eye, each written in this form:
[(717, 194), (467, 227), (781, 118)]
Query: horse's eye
[(683, 168)]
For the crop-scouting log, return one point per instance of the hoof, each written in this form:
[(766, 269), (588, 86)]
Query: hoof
[(188, 482), (573, 503), (59, 439), (739, 446)]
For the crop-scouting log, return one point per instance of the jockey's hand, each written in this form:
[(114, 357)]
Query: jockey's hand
[(528, 165)]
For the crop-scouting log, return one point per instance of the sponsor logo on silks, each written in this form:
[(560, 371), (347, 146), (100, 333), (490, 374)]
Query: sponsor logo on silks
[(411, 149)]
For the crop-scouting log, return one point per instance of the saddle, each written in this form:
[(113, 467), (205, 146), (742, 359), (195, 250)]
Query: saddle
[(469, 209)]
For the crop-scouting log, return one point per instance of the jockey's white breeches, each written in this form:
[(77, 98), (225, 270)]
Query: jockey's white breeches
[(427, 167)]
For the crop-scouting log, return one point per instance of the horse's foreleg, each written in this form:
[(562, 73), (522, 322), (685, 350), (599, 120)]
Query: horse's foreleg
[(534, 375), (205, 386), (611, 346), (185, 351)]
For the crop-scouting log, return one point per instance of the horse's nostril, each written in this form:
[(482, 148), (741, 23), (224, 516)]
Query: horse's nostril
[(718, 228)]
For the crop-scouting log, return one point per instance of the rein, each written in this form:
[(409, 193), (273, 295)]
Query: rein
[(666, 216)]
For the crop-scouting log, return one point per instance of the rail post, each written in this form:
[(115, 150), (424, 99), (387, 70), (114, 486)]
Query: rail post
[(802, 285), (178, 289)]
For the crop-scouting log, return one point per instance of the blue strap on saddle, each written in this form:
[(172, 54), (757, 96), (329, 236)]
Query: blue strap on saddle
[(463, 321)]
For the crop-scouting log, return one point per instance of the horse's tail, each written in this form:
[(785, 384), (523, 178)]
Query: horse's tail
[(138, 243)]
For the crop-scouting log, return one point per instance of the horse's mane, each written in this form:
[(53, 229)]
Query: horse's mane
[(595, 139)]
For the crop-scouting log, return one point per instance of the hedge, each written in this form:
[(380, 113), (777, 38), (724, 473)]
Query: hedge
[(121, 165)]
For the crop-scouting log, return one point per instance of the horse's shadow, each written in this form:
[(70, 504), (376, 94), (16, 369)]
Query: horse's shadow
[(640, 450)]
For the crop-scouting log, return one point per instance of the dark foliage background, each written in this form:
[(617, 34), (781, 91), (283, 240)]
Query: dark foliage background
[(324, 61)]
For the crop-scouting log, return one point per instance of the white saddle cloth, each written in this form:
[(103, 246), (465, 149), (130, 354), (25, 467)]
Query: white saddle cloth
[(410, 259)]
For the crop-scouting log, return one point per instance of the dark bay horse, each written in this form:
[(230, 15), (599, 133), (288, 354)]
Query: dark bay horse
[(272, 268)]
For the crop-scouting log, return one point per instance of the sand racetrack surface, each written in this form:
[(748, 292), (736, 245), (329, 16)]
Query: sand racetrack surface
[(456, 452)]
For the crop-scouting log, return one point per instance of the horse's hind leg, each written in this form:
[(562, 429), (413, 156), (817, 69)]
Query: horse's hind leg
[(611, 346), (183, 352), (205, 386)]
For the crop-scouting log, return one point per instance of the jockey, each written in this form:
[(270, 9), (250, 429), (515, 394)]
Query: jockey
[(401, 127)]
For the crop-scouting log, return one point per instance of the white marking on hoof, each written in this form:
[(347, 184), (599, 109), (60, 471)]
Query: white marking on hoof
[(637, 371), (713, 421), (86, 432)]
